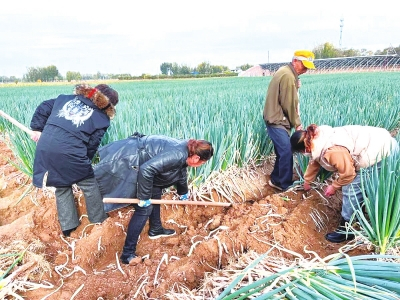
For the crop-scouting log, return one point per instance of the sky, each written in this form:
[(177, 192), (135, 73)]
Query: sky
[(136, 37)]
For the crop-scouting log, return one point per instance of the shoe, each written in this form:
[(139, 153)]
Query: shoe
[(67, 233), (271, 184), (155, 233), (340, 235), (337, 237), (126, 259)]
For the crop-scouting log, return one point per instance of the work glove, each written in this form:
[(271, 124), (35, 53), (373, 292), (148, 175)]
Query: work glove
[(330, 191), (184, 196), (306, 186), (144, 203)]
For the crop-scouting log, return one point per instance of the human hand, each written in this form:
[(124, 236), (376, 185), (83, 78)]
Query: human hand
[(35, 135), (144, 203), (184, 196), (330, 191), (306, 186), (300, 127)]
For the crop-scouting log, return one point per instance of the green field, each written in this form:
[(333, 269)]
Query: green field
[(226, 111)]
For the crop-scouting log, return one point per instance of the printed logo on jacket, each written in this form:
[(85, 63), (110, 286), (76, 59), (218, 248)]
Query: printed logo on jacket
[(75, 111)]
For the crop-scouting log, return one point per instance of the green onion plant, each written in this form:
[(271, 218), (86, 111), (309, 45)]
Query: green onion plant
[(336, 277), (381, 192)]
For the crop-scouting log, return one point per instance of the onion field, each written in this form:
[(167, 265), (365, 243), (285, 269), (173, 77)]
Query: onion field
[(225, 111), (267, 244)]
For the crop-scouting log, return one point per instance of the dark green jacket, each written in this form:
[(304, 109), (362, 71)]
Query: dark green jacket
[(282, 101)]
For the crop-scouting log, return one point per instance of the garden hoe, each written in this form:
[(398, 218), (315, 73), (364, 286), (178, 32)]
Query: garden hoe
[(15, 122), (178, 202)]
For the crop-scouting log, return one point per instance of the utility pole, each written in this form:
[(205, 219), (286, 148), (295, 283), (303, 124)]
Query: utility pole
[(341, 29)]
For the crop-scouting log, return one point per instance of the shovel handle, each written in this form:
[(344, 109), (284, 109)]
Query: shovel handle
[(15, 122), (153, 201)]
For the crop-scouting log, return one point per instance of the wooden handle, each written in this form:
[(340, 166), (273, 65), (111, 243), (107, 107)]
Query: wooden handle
[(15, 122), (178, 202)]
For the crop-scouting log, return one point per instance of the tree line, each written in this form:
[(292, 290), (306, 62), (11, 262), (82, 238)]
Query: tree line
[(328, 50), (167, 69)]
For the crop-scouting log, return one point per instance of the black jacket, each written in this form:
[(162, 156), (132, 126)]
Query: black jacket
[(72, 127), (132, 167)]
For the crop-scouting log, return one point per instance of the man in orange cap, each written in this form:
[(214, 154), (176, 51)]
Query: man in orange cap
[(281, 115)]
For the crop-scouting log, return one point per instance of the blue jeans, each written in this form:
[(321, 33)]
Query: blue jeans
[(136, 225), (282, 174), (138, 222), (352, 193)]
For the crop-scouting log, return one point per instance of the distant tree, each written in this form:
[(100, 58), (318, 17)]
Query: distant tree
[(87, 76), (245, 67), (49, 73), (97, 76), (365, 52), (73, 76), (165, 67), (389, 51), (350, 53), (175, 68), (32, 75), (204, 68), (326, 50), (218, 69), (184, 69), (9, 79)]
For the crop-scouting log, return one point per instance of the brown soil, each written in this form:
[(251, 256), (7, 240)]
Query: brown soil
[(85, 265)]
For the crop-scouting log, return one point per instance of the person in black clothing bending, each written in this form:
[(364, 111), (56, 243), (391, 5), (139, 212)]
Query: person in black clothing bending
[(68, 131), (141, 167)]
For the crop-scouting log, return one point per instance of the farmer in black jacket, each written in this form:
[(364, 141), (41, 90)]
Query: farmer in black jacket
[(68, 130), (140, 167)]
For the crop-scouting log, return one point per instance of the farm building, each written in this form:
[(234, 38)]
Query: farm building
[(254, 72)]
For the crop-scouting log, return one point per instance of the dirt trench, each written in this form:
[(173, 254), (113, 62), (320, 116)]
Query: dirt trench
[(85, 266)]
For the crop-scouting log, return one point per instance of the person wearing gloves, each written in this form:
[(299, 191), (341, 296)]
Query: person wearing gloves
[(344, 150), (141, 167), (68, 130), (282, 114)]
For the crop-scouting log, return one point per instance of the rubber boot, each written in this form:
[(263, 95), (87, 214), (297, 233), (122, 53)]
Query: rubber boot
[(340, 234)]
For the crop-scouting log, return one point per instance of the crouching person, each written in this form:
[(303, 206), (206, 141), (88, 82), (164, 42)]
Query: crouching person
[(141, 167), (344, 150)]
